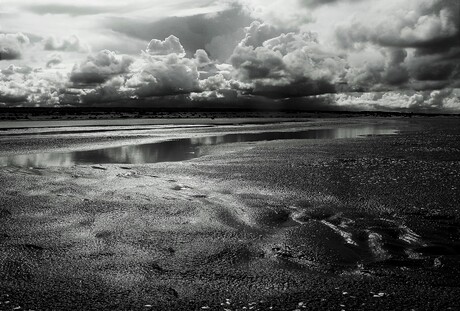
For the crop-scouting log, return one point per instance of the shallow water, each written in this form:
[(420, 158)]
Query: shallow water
[(181, 149)]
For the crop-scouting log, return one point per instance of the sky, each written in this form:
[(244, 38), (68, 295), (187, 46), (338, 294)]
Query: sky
[(387, 55)]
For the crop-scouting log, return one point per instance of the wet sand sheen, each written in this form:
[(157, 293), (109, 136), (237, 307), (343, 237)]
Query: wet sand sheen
[(181, 149)]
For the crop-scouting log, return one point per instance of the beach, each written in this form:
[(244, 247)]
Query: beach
[(353, 214)]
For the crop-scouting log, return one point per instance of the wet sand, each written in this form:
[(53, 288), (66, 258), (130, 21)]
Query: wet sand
[(332, 224)]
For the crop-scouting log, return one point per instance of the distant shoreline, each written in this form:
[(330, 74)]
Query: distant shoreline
[(117, 113)]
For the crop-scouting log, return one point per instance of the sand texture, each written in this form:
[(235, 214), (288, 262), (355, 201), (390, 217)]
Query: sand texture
[(316, 224)]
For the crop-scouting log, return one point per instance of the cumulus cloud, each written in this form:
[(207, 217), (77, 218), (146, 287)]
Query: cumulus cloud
[(419, 42), (202, 58), (27, 87), (169, 75), (162, 70), (417, 24), (170, 45), (257, 33), (12, 69), (228, 95), (110, 91), (100, 67), (387, 70), (292, 64), (206, 67), (69, 44), (11, 45), (447, 100), (215, 82)]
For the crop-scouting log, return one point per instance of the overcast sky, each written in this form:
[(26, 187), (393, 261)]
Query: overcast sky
[(344, 54)]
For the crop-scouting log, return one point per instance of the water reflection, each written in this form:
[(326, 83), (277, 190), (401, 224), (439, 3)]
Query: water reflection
[(178, 150)]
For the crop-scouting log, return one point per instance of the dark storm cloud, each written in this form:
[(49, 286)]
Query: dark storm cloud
[(195, 32), (396, 72), (12, 99), (299, 88)]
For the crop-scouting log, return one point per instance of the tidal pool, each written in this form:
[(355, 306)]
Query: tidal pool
[(180, 149)]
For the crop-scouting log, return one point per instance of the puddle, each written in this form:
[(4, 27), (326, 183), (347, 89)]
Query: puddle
[(181, 149)]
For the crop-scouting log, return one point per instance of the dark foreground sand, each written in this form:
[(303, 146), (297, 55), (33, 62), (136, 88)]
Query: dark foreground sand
[(347, 224)]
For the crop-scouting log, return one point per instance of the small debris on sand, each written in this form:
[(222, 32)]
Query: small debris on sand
[(99, 167)]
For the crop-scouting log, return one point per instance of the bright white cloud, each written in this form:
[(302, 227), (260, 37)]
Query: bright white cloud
[(69, 44), (170, 45), (100, 67), (11, 45), (447, 100), (27, 87)]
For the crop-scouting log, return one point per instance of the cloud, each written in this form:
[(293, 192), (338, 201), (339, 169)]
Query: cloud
[(12, 69), (27, 87), (167, 75), (11, 45), (218, 33), (257, 33), (401, 54), (53, 60), (69, 44), (288, 14), (436, 67), (227, 95), (100, 67), (72, 10), (387, 69), (447, 100), (170, 45), (110, 91), (292, 64), (317, 3), (416, 24), (419, 44), (162, 70), (214, 83)]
